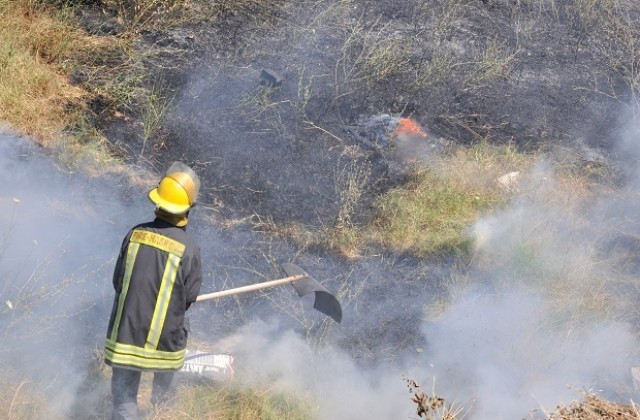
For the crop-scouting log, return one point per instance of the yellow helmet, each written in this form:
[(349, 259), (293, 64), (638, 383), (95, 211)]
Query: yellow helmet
[(177, 191)]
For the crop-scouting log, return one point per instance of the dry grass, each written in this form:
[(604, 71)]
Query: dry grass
[(43, 45), (555, 239), (617, 23), (20, 399), (35, 96), (205, 399), (23, 399), (432, 407), (593, 407), (144, 13), (230, 401), (369, 54), (495, 60), (430, 215)]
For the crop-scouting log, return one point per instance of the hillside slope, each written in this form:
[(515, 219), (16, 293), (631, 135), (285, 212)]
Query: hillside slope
[(339, 135)]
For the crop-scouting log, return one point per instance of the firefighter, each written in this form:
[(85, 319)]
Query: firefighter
[(157, 277)]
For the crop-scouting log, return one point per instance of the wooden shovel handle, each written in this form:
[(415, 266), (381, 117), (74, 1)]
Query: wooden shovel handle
[(251, 287)]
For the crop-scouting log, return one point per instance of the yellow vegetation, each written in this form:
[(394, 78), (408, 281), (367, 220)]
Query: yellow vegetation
[(35, 96)]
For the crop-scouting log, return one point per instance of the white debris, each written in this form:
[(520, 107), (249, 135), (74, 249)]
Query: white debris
[(213, 366), (510, 181)]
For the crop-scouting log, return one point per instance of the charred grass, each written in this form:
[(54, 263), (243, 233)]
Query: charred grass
[(431, 213)]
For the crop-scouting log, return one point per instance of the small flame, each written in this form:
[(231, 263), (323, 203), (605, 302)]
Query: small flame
[(408, 127)]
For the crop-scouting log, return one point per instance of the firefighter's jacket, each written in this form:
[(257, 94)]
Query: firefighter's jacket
[(157, 277)]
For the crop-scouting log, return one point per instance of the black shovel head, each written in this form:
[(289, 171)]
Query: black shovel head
[(324, 302)]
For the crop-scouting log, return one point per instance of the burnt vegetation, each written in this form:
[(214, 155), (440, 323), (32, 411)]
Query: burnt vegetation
[(290, 112), (531, 73)]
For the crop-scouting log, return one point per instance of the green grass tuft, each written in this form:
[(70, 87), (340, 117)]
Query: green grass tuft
[(431, 215)]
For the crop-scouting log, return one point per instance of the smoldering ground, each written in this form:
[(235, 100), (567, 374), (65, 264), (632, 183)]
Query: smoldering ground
[(61, 235), (57, 235), (545, 312), (548, 309), (343, 63), (338, 386), (544, 305)]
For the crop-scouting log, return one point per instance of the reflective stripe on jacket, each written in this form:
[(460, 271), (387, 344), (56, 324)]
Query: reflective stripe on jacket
[(157, 277)]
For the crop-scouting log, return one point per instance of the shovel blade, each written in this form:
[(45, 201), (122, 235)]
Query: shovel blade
[(324, 301)]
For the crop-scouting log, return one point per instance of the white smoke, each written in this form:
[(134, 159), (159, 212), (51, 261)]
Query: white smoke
[(528, 323), (500, 356), (60, 232), (548, 306), (60, 236), (342, 390)]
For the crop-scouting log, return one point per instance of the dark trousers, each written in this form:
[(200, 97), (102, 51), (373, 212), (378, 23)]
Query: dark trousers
[(124, 389)]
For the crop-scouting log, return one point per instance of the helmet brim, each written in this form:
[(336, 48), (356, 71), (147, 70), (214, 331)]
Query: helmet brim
[(166, 205)]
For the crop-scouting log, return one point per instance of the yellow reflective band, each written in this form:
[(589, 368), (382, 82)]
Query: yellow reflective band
[(124, 354), (156, 240), (130, 349), (143, 363), (132, 252), (162, 302)]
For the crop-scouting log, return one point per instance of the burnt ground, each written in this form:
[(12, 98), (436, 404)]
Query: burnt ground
[(533, 73)]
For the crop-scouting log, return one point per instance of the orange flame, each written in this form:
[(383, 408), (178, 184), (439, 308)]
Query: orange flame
[(408, 127)]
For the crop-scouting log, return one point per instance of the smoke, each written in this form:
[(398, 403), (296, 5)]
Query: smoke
[(342, 390), (546, 303), (627, 149), (548, 307), (500, 355), (60, 236), (60, 232)]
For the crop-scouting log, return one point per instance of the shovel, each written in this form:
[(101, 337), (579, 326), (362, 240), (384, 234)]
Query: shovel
[(304, 284)]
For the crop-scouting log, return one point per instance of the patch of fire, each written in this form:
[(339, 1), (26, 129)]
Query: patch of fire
[(385, 132), (408, 127)]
